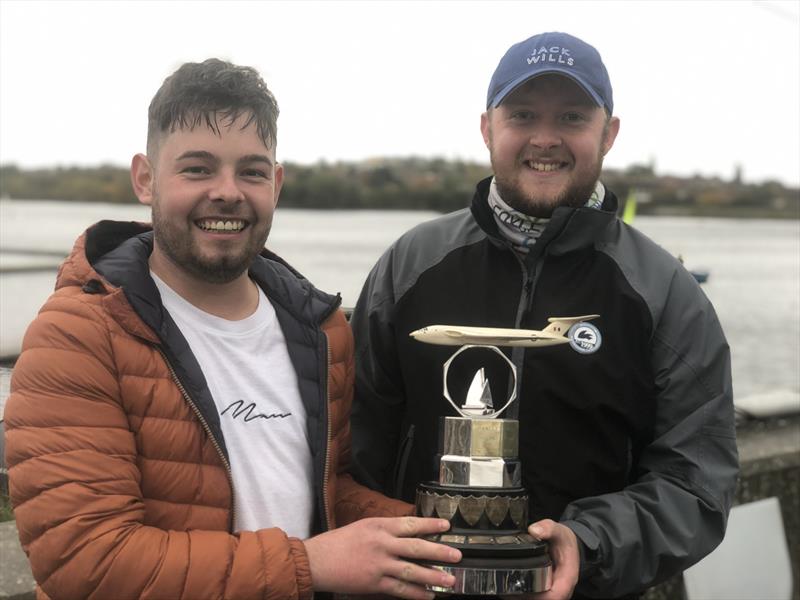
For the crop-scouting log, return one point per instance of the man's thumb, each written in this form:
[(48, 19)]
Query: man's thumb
[(539, 530)]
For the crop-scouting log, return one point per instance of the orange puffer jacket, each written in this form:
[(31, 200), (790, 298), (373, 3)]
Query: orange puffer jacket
[(117, 466)]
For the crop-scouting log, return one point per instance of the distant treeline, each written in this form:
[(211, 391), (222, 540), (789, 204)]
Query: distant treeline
[(418, 183), (409, 183)]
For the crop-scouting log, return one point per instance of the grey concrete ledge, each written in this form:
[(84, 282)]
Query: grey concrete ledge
[(16, 580), (771, 445)]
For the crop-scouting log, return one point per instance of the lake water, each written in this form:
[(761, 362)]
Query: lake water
[(754, 266)]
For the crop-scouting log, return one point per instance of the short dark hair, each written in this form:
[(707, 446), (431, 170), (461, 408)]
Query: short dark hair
[(202, 92)]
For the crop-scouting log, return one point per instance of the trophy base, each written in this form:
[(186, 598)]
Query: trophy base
[(496, 577), (489, 527)]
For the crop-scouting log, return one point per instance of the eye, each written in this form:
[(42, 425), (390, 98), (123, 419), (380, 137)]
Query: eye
[(255, 173), (195, 170), (521, 115), (573, 117)]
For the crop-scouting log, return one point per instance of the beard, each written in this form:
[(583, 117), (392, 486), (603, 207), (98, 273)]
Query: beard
[(176, 240), (575, 193)]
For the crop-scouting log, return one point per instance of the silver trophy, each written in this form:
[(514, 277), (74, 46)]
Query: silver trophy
[(479, 489)]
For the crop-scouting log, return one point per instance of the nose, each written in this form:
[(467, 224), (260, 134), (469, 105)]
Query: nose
[(226, 187), (545, 136)]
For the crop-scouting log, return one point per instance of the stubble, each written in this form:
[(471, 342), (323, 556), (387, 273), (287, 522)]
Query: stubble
[(179, 246)]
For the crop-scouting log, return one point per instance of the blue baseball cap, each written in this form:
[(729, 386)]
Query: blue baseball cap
[(548, 53)]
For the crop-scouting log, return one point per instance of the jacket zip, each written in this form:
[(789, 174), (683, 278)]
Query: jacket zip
[(518, 354), (326, 509), (527, 290), (326, 471), (202, 420)]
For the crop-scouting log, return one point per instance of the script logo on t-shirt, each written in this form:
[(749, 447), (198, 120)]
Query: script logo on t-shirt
[(249, 412)]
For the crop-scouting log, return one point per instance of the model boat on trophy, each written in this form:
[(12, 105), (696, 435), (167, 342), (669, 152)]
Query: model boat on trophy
[(479, 488)]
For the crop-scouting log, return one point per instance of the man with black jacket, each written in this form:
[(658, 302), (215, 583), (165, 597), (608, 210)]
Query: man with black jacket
[(627, 440)]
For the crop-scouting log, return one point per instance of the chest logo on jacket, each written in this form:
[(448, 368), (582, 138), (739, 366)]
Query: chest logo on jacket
[(240, 408), (584, 338)]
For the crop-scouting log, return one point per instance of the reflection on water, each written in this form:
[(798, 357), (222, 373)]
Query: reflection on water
[(754, 265)]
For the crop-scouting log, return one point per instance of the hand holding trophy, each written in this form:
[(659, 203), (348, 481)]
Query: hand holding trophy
[(479, 490)]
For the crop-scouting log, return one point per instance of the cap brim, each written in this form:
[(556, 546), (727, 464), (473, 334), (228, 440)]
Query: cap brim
[(515, 83)]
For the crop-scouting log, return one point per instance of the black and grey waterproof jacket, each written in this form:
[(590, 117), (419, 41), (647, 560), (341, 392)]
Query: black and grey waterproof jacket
[(631, 445)]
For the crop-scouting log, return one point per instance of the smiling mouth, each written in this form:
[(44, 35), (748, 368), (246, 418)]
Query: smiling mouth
[(545, 167), (221, 225)]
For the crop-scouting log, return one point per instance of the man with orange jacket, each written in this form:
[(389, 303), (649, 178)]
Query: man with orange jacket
[(178, 422)]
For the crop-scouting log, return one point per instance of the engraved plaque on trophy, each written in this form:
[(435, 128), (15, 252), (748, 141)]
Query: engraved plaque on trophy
[(479, 487)]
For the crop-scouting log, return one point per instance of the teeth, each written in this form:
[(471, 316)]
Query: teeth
[(546, 167), (209, 225)]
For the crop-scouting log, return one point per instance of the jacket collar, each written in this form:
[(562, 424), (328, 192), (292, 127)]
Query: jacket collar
[(569, 229), (114, 256)]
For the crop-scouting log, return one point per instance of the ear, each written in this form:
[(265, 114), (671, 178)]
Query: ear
[(611, 134), (142, 179), (485, 128), (278, 175)]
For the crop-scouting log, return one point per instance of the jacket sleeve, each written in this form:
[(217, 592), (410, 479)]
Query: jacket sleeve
[(352, 500), (379, 401), (676, 509), (76, 477)]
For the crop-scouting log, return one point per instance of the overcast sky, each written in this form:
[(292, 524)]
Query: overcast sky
[(700, 87)]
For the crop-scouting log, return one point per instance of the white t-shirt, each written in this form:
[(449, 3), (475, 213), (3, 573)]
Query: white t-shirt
[(254, 386)]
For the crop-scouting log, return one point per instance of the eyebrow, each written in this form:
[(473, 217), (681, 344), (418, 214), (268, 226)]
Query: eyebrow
[(197, 154), (202, 154), (256, 158)]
